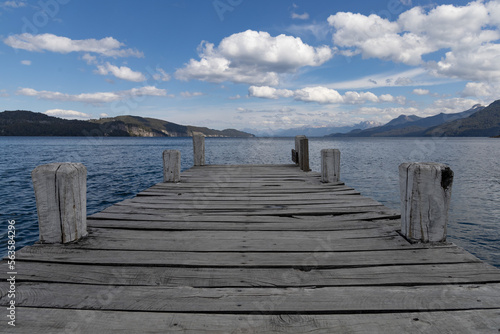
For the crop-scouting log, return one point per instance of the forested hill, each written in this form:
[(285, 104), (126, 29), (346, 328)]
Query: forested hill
[(27, 123)]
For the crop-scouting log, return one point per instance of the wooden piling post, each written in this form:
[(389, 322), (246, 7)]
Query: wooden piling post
[(199, 150), (171, 166), (61, 201), (304, 154), (425, 200), (296, 152), (330, 165)]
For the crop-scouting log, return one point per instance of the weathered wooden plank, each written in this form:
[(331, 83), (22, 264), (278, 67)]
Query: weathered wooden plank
[(383, 232), (246, 166), (206, 198), (282, 225), (242, 207), (297, 193), (237, 182), (245, 300), (209, 242), (322, 257), (186, 217), (50, 320), (273, 211), (228, 179), (246, 185), (460, 273)]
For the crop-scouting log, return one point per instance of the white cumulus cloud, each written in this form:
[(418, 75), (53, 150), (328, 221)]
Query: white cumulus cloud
[(480, 64), (122, 72), (107, 46), (468, 34), (481, 90), (67, 114), (322, 95), (420, 91), (26, 62), (267, 92), (253, 57), (318, 94), (93, 98)]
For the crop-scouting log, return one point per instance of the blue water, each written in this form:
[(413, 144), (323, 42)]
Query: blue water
[(118, 168)]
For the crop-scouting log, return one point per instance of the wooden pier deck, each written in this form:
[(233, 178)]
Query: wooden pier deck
[(251, 249)]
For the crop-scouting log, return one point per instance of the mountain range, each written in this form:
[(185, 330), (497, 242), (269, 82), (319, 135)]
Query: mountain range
[(27, 123), (312, 131), (478, 121)]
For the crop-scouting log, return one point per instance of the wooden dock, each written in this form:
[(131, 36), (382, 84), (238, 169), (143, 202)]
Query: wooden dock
[(250, 249)]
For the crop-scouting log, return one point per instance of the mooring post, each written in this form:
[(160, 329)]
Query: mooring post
[(304, 154), (330, 165), (199, 150), (296, 152), (171, 166), (425, 200), (61, 201)]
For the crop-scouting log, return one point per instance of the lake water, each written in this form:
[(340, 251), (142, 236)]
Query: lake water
[(118, 168)]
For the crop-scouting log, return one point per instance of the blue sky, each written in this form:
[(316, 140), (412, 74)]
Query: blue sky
[(249, 64)]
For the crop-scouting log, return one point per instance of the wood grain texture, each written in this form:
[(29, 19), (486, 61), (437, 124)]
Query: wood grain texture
[(321, 258), (91, 322), (246, 276), (351, 299), (171, 166), (251, 249)]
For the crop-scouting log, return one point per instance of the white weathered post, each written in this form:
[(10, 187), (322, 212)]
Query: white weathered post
[(304, 154), (171, 166), (199, 150), (425, 200), (297, 149), (61, 201), (330, 165)]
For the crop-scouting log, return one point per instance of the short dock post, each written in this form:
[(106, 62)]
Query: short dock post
[(304, 154), (425, 199), (330, 165), (61, 201), (296, 151), (171, 166), (199, 150)]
